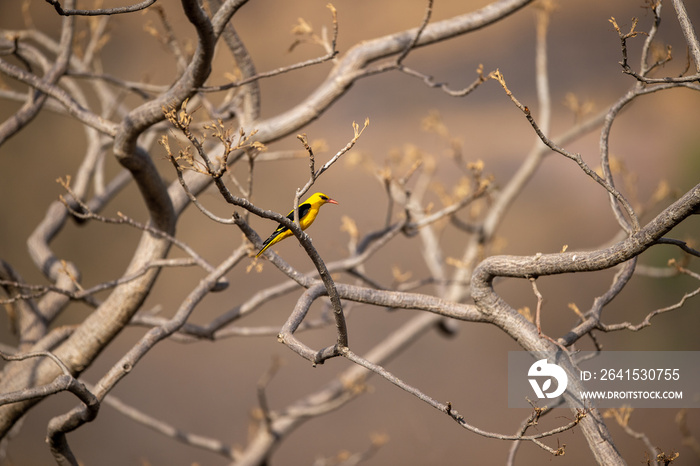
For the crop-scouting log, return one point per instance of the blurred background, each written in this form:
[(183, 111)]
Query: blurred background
[(209, 388)]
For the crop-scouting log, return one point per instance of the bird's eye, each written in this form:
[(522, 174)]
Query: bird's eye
[(324, 198)]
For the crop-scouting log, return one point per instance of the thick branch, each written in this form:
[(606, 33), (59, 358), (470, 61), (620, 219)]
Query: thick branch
[(508, 319)]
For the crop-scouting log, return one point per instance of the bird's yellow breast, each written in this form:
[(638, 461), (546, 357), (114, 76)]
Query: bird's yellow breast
[(309, 218)]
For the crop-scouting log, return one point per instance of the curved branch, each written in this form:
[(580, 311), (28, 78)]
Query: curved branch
[(352, 66), (691, 37), (99, 11), (81, 414), (35, 100), (384, 298), (525, 333), (104, 324), (570, 262)]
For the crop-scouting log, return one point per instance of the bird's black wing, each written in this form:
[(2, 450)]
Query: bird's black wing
[(303, 210)]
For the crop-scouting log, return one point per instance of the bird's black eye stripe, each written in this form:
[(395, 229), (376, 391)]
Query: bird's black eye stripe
[(324, 198)]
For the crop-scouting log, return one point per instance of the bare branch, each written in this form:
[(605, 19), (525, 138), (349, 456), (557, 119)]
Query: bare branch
[(575, 157), (168, 430), (689, 439), (691, 37), (78, 416), (440, 208), (428, 13), (332, 53), (100, 11), (647, 320), (357, 132), (430, 82)]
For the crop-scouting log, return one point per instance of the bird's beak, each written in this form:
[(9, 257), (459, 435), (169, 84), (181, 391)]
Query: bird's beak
[(332, 201)]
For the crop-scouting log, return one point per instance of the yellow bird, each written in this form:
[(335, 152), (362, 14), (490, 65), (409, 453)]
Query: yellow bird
[(308, 211)]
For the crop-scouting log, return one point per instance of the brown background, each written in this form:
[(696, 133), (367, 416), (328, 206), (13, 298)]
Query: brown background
[(210, 388)]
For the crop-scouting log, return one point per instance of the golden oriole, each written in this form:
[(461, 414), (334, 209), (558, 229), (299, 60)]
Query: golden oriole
[(308, 211)]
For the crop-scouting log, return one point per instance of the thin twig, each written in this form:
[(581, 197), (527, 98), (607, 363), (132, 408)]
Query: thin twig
[(167, 429), (285, 69), (449, 410), (416, 37), (575, 157), (647, 320)]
